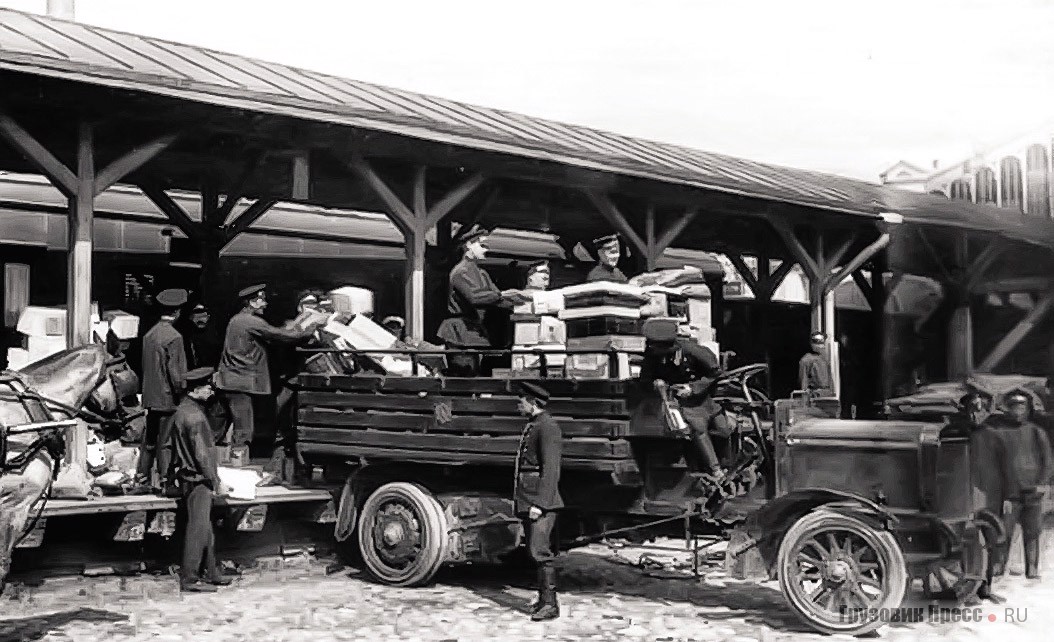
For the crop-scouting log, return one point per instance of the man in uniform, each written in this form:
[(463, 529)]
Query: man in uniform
[(537, 494), (989, 470), (608, 255), (1031, 463), (814, 371), (244, 371), (200, 481), (538, 276), (395, 325), (691, 370), (201, 349), (471, 292), (164, 367)]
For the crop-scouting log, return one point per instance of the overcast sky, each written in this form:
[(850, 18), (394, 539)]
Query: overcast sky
[(843, 86)]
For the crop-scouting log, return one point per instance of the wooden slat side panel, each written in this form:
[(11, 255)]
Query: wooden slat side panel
[(596, 388), (478, 425), (460, 405), (585, 447), (456, 458)]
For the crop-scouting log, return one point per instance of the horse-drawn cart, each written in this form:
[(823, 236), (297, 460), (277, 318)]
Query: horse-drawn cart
[(848, 514)]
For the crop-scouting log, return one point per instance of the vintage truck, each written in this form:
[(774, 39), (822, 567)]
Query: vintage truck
[(847, 514)]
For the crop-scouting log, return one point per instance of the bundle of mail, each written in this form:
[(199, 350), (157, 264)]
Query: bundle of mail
[(595, 330)]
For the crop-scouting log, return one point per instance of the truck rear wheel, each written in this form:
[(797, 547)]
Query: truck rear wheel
[(402, 534), (838, 573)]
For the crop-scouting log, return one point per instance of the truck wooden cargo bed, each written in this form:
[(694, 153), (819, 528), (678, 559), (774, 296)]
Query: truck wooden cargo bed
[(460, 420)]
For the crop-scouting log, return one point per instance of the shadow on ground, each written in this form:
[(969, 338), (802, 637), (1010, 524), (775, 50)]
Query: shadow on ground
[(585, 574), (38, 626)]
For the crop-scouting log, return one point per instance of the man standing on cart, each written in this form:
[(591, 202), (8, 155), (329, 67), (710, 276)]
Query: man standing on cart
[(164, 366), (244, 372), (608, 254), (536, 492), (471, 292)]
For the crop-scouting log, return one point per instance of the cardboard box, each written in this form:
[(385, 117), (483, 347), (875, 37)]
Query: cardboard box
[(352, 300), (621, 342), (598, 366), (545, 330), (124, 326), (37, 321), (555, 358), (40, 347), (17, 358)]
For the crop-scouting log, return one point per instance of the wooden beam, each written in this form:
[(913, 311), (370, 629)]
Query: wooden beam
[(671, 233), (130, 162), (1011, 340), (924, 238), (452, 199), (839, 254), (172, 210), (1024, 284), (81, 240), (611, 213), (396, 208), (796, 248), (744, 271), (420, 204), (246, 219), (52, 168), (772, 283), (858, 261), (867, 290), (979, 267)]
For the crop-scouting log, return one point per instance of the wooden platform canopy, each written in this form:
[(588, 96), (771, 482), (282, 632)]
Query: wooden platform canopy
[(89, 107)]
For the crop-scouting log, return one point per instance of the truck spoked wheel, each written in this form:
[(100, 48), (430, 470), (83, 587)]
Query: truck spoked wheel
[(945, 579), (402, 534), (837, 573)]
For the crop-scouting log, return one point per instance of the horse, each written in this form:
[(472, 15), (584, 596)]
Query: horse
[(86, 383)]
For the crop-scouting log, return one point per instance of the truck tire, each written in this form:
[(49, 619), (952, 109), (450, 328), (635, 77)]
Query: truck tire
[(838, 572), (402, 534)]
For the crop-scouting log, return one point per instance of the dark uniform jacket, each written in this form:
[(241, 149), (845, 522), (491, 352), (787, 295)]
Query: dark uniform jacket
[(1030, 457), (164, 364), (601, 272), (471, 291), (202, 351), (696, 366), (195, 451), (990, 468), (244, 366), (815, 372), (538, 465)]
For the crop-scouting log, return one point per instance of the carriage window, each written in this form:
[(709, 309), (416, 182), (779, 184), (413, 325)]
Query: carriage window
[(16, 292)]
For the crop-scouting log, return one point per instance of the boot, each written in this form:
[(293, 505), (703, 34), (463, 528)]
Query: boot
[(540, 602), (1032, 558), (550, 609)]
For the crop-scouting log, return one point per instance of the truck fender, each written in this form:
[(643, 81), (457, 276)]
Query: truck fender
[(992, 527), (765, 527), (348, 510)]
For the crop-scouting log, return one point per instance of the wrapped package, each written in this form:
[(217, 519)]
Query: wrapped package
[(124, 326), (544, 330), (601, 311), (607, 342), (670, 278), (590, 295), (352, 300), (542, 302), (531, 365), (242, 482), (598, 366)]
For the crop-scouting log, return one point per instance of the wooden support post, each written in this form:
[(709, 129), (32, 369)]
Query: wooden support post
[(301, 177), (414, 222), (1003, 349), (818, 290), (81, 224), (858, 261)]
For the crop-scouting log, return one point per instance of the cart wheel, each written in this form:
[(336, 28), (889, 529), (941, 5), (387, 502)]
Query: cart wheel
[(945, 577), (402, 534), (836, 572)]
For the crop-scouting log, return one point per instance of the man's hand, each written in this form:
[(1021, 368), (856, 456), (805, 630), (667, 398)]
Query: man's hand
[(534, 513), (516, 296), (1008, 507)]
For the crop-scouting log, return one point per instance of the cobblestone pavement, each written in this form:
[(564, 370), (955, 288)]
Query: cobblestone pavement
[(603, 598)]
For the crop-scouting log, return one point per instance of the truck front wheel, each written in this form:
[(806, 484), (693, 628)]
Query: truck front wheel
[(402, 534), (840, 574)]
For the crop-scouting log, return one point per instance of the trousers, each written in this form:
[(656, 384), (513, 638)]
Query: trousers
[(157, 445), (1027, 510), (540, 537), (199, 542), (18, 491), (240, 405)]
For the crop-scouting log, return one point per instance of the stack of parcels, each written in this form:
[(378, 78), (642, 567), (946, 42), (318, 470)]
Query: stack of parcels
[(44, 332), (543, 333), (606, 317)]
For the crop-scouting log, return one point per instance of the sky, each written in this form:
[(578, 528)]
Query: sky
[(845, 86)]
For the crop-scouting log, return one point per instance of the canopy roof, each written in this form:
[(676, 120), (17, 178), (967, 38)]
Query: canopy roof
[(51, 64)]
